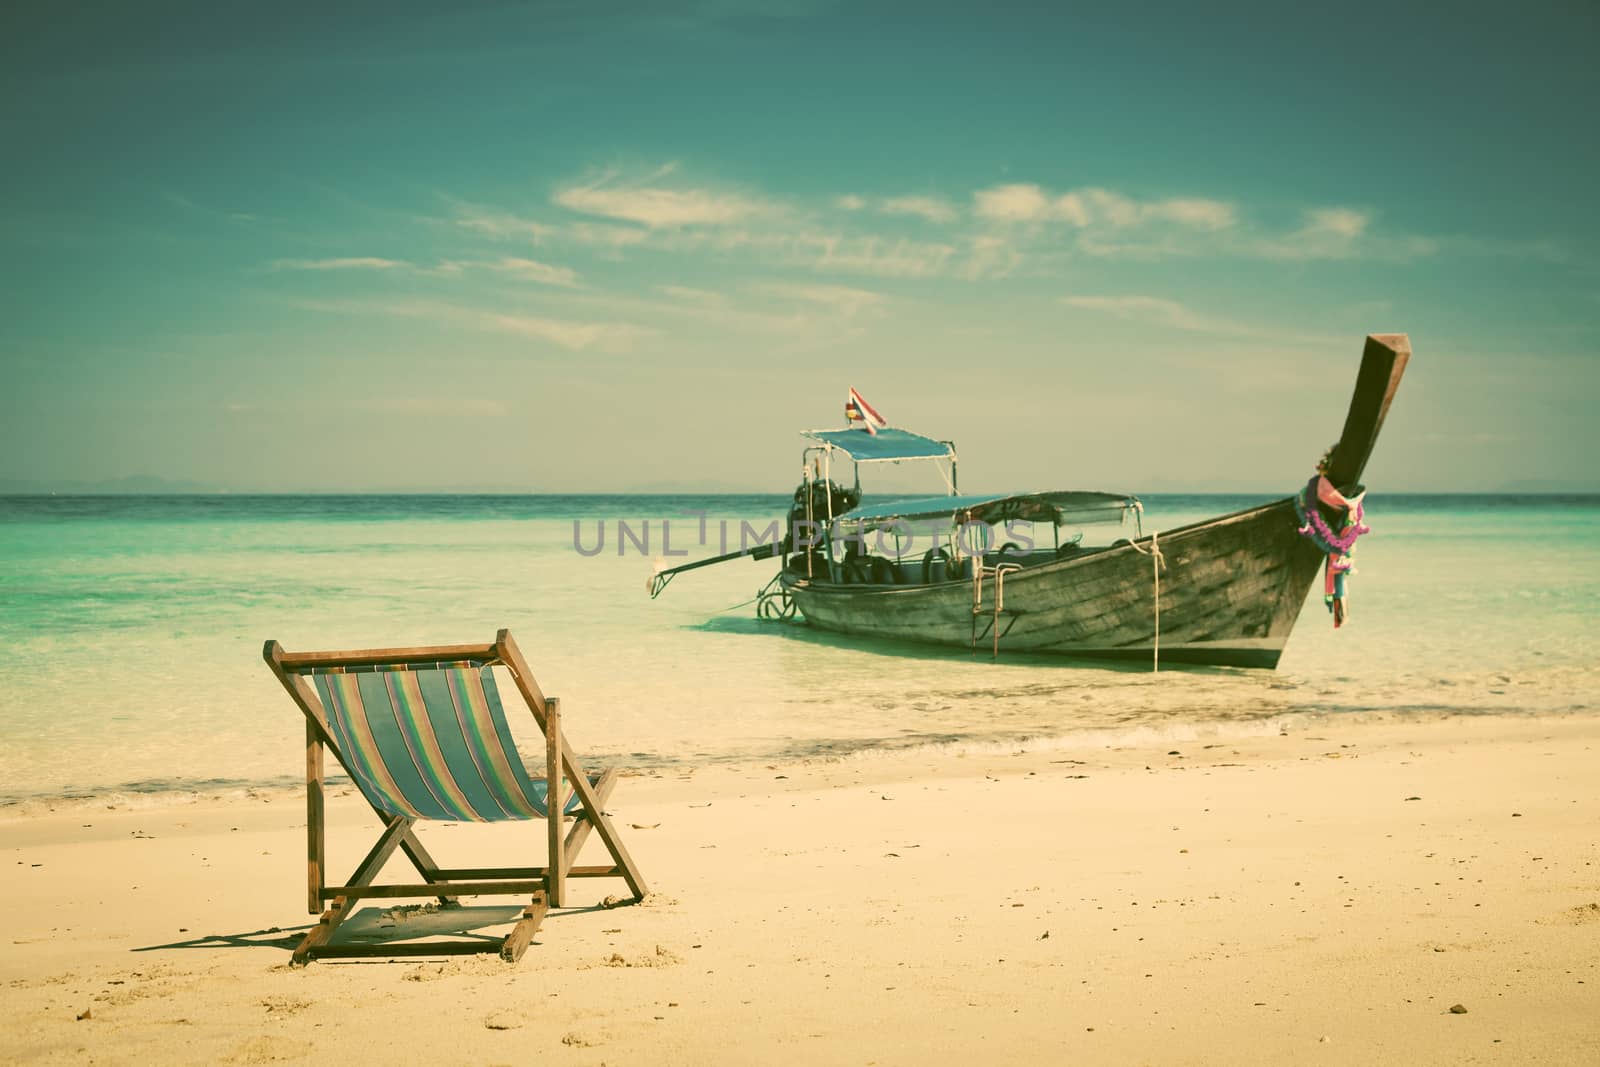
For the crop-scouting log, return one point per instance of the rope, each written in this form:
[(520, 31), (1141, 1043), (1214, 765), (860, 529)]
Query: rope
[(1157, 561), (764, 592)]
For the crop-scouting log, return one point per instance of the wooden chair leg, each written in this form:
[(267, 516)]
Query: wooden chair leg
[(397, 831), (316, 829), (516, 942), (582, 827), (554, 805), (602, 825), (322, 933), (509, 654)]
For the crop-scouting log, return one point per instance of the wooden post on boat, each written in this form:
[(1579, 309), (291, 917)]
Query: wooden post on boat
[(1155, 568)]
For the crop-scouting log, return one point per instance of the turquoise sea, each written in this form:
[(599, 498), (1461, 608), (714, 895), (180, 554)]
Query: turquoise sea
[(132, 628)]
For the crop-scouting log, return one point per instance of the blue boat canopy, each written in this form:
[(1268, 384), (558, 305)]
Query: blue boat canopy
[(889, 443), (1075, 507)]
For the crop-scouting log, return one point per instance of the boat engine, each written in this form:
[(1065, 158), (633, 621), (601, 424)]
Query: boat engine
[(824, 498)]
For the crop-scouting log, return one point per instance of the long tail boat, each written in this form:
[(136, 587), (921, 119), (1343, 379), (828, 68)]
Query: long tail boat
[(1224, 591)]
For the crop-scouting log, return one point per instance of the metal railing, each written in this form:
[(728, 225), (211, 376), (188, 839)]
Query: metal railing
[(998, 572)]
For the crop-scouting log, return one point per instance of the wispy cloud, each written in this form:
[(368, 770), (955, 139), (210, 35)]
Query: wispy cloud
[(1347, 233), (875, 255), (656, 206), (571, 334), (1160, 311), (501, 225), (605, 235), (1106, 223), (1025, 202), (704, 297), (840, 298), (1198, 213), (1006, 225), (512, 266), (1149, 308), (930, 208), (680, 219), (346, 263), (700, 305), (1338, 222), (180, 201), (578, 336), (1327, 233), (990, 257), (660, 213), (534, 271), (817, 249)]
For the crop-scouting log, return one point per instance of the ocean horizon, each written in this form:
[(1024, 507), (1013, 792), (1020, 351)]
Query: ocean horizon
[(134, 625)]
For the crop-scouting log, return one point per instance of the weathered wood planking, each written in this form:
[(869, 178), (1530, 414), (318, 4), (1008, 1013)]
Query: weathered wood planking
[(1230, 592)]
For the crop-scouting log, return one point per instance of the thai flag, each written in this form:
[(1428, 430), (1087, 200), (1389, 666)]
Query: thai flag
[(862, 415)]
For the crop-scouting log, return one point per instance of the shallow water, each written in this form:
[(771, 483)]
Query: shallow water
[(133, 626)]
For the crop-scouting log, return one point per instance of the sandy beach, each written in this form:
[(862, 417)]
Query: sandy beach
[(1328, 895)]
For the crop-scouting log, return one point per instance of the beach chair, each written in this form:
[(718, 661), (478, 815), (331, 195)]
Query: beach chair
[(423, 736)]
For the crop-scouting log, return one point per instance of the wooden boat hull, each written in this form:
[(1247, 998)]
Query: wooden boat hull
[(1231, 589)]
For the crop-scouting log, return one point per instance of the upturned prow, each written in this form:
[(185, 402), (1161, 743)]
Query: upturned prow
[(1383, 362)]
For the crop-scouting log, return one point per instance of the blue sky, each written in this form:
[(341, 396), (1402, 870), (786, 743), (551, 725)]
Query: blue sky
[(608, 247)]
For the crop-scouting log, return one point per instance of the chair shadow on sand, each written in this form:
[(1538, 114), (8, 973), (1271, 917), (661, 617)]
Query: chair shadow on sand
[(411, 924)]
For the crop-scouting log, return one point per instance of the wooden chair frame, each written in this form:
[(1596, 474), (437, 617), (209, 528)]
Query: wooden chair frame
[(546, 884)]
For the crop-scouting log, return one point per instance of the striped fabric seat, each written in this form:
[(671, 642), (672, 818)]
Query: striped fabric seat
[(429, 741)]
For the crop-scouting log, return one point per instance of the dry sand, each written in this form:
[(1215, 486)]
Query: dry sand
[(1323, 896)]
